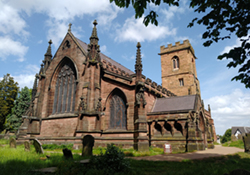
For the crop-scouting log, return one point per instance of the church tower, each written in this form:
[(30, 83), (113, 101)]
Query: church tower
[(178, 69)]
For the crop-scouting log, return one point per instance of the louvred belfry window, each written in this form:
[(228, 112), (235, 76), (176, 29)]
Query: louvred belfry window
[(117, 113), (65, 90)]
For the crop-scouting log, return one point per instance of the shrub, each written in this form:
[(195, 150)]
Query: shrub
[(227, 136), (112, 161)]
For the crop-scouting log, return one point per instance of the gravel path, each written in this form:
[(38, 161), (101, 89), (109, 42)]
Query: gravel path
[(217, 151)]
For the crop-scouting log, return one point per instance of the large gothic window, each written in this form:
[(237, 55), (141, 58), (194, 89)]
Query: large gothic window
[(117, 113), (65, 89)]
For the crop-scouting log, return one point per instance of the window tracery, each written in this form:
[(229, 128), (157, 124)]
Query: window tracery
[(118, 114), (65, 89), (175, 62)]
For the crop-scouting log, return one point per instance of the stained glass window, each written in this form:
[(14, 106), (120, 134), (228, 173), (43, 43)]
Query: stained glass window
[(65, 90), (117, 113)]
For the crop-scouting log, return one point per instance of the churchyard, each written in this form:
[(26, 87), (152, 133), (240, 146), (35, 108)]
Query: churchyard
[(26, 158)]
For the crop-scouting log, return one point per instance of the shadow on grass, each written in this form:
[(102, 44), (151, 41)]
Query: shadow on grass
[(208, 166)]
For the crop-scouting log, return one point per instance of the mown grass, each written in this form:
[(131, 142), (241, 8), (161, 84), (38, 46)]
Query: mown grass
[(19, 162), (238, 144), (210, 166)]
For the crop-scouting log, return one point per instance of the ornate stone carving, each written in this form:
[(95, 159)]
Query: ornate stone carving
[(140, 95), (159, 87), (82, 106), (154, 85), (148, 81), (99, 105), (164, 90)]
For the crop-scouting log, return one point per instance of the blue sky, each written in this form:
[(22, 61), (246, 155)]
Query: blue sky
[(27, 26)]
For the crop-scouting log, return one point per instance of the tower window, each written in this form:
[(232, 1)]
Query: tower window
[(175, 62), (181, 81)]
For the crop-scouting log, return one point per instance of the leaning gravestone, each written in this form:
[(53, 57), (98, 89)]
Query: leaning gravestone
[(26, 146), (67, 153), (87, 145), (38, 146), (246, 140), (12, 142)]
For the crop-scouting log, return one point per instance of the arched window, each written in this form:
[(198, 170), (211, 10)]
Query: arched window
[(65, 89), (118, 114), (175, 62)]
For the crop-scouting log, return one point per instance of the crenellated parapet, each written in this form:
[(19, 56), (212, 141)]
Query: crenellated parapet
[(107, 66), (178, 46), (157, 89)]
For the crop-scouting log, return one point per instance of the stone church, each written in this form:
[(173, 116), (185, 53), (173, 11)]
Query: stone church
[(80, 91)]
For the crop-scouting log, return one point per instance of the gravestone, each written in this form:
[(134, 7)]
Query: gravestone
[(67, 153), (12, 142), (38, 146), (87, 145), (246, 140), (26, 146)]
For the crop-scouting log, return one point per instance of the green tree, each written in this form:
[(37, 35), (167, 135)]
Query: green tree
[(8, 93), (227, 136), (232, 16), (21, 104)]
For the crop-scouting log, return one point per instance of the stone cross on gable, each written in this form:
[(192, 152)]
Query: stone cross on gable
[(69, 27)]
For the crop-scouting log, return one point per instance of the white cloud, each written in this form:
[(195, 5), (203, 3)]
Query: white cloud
[(134, 30), (27, 76), (31, 69), (11, 22), (172, 12), (230, 110), (104, 50), (57, 31), (60, 13), (10, 47), (228, 48), (25, 80)]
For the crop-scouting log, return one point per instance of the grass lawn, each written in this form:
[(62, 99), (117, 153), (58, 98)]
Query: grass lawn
[(17, 161)]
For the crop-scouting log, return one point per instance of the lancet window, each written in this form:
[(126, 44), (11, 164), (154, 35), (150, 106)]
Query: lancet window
[(118, 114), (65, 90), (175, 62)]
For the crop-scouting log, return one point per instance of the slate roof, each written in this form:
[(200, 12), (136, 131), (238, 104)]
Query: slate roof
[(242, 129), (107, 59), (180, 103)]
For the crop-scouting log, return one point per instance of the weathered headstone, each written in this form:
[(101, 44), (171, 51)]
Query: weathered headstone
[(38, 146), (67, 153), (26, 146), (246, 140), (12, 142), (87, 145)]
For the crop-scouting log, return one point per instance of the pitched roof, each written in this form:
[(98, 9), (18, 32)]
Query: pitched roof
[(242, 129), (180, 103), (104, 57)]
